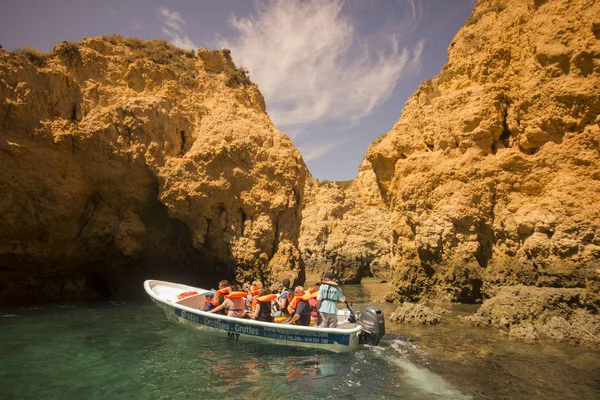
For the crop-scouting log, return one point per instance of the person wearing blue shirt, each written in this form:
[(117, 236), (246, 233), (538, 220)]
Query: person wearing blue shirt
[(207, 306), (329, 294)]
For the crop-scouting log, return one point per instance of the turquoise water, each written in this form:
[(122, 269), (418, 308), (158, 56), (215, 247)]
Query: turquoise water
[(129, 351)]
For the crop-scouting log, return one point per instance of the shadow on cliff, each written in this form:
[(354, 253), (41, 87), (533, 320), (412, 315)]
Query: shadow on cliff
[(84, 271)]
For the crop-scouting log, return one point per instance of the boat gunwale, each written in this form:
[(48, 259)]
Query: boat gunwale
[(358, 328)]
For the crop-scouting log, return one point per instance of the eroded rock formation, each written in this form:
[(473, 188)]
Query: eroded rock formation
[(122, 160), (414, 313), (345, 229), (492, 175), (528, 313)]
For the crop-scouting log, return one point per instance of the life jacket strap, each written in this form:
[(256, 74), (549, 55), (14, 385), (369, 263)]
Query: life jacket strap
[(327, 294)]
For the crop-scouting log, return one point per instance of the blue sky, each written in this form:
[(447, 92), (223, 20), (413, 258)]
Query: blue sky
[(335, 73)]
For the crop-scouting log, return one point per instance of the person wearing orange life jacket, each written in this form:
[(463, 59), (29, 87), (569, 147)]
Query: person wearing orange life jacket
[(329, 294), (256, 287), (299, 308), (233, 303), (224, 290), (207, 306), (261, 306)]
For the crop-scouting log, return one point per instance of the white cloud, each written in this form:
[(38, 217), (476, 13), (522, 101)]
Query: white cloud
[(312, 66), (174, 29), (316, 150)]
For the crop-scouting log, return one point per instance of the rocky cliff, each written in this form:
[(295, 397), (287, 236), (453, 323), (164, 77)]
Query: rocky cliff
[(122, 160), (492, 175), (345, 229)]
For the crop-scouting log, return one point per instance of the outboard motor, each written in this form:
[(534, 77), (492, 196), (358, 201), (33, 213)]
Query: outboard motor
[(372, 321)]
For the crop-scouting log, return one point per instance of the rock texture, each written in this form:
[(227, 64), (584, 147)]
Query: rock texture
[(411, 313), (492, 175), (345, 229), (122, 160), (530, 314)]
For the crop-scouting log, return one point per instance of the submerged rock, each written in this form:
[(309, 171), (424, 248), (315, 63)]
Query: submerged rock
[(530, 313), (122, 160), (411, 313)]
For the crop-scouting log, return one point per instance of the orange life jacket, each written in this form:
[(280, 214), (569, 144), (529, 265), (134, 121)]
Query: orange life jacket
[(236, 295), (298, 298), (185, 294), (218, 293), (263, 299), (255, 291)]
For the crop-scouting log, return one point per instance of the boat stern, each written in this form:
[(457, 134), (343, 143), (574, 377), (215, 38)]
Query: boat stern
[(373, 323)]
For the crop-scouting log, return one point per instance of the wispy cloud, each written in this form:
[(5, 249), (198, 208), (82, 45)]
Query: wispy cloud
[(314, 150), (313, 67), (174, 29)]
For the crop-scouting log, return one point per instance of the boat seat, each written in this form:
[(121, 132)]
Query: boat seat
[(347, 325), (195, 301)]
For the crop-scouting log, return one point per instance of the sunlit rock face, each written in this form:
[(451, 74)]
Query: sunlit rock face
[(345, 229), (545, 314), (122, 160), (492, 175)]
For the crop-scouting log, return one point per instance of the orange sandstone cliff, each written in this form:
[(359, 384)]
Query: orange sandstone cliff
[(122, 160), (345, 229), (492, 175)]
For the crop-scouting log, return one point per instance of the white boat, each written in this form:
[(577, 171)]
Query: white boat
[(368, 328)]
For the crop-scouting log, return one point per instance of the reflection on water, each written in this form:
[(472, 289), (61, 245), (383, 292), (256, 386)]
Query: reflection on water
[(130, 351)]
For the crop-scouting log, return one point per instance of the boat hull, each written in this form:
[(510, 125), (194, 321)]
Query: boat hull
[(245, 329)]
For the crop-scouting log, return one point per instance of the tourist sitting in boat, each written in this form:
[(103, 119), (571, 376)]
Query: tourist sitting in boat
[(248, 299), (299, 308), (256, 287), (282, 291), (233, 303), (224, 290), (246, 288), (284, 286), (282, 303), (261, 306), (207, 306)]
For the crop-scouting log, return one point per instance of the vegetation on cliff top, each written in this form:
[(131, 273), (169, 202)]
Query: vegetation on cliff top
[(37, 57), (237, 76)]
